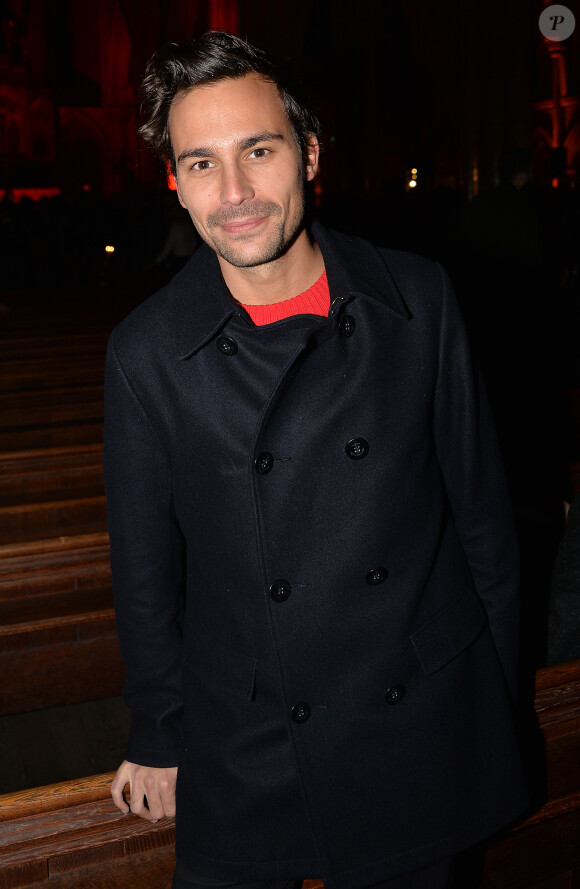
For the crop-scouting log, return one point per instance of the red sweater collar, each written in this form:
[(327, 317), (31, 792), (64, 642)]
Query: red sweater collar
[(314, 301)]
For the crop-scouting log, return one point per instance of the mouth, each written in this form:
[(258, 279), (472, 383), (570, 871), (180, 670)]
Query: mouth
[(243, 226)]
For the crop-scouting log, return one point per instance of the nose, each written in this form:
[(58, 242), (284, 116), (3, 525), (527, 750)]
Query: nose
[(235, 185)]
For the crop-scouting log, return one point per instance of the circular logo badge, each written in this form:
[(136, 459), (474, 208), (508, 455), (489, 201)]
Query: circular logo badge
[(557, 22)]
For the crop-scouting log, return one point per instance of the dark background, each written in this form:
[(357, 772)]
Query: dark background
[(443, 87), (400, 84)]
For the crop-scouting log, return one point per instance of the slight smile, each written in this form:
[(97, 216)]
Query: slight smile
[(242, 226)]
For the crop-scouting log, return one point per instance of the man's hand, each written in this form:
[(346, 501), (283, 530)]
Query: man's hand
[(152, 791)]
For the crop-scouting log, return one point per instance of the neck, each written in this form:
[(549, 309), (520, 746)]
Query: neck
[(275, 281)]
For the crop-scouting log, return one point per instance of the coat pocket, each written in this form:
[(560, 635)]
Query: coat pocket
[(234, 673), (449, 632)]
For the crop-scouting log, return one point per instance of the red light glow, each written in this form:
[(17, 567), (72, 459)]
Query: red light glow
[(34, 193)]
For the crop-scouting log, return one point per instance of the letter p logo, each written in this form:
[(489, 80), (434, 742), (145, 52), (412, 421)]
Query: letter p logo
[(557, 22)]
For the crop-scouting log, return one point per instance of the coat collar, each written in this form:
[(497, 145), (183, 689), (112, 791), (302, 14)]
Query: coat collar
[(356, 268), (202, 304)]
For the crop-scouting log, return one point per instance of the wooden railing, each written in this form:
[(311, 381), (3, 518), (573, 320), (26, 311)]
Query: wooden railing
[(73, 830)]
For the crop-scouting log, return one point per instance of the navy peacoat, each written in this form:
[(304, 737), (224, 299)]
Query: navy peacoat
[(315, 573)]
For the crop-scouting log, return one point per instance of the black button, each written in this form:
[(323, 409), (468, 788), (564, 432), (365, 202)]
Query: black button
[(301, 712), (264, 462), (395, 694), (357, 448), (227, 345), (280, 590), (347, 325), (377, 575)]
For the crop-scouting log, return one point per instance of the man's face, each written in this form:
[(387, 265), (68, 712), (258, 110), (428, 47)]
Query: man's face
[(240, 173)]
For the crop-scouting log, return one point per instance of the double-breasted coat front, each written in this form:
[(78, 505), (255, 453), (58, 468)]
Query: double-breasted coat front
[(314, 572)]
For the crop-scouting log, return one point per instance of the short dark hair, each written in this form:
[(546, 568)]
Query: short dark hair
[(216, 55)]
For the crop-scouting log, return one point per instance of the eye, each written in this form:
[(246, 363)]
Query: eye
[(260, 152), (202, 165)]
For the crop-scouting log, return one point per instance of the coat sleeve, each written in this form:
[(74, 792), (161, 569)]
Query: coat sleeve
[(147, 563), (469, 456)]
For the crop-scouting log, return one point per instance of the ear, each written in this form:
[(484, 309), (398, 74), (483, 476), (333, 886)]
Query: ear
[(312, 155)]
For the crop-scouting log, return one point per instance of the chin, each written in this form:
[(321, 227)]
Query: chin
[(247, 258), (246, 262)]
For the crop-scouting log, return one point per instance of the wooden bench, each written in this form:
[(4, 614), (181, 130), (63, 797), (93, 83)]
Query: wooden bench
[(22, 411), (25, 473), (67, 434), (70, 836), (51, 492), (51, 391), (52, 518), (58, 639), (57, 624), (50, 371), (51, 567), (36, 344)]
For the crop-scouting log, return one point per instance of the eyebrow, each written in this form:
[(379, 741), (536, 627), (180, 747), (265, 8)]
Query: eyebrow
[(242, 145)]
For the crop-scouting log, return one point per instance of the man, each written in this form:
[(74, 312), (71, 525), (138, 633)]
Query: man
[(313, 560)]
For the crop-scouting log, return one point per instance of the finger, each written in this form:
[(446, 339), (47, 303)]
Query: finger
[(118, 790), (140, 804), (167, 793), (152, 805)]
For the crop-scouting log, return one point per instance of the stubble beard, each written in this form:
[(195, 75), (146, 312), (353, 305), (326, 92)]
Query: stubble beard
[(279, 240), (268, 251)]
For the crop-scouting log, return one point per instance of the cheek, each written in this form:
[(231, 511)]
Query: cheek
[(194, 206), (297, 197), (192, 196)]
